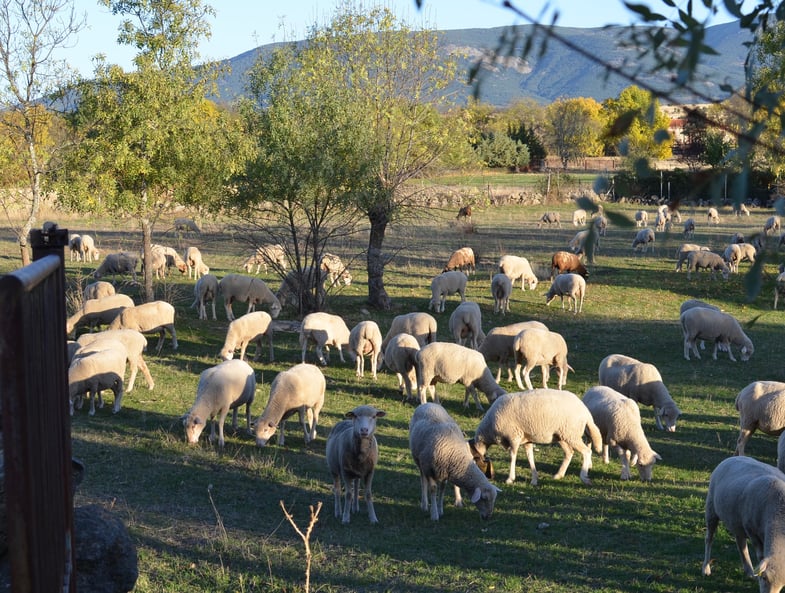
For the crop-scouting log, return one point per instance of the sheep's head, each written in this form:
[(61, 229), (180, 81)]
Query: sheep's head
[(484, 498), (264, 431), (364, 420), (194, 425)]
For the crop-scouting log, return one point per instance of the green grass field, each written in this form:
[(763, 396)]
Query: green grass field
[(210, 521)]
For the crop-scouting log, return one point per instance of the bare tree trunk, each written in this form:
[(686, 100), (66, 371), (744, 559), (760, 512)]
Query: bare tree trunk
[(377, 295), (147, 241)]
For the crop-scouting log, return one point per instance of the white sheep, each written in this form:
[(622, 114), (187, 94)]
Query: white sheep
[(601, 225), (684, 251), (186, 225), (98, 290), (365, 339), (540, 347), (155, 316), (462, 260), (579, 243), (641, 218), (549, 218), (420, 325), (96, 312), (643, 239), (619, 420), (739, 252), (351, 452), (466, 324), (761, 406), (251, 327), (579, 217), (244, 289), (501, 289), (75, 247), (324, 330), (740, 208), (642, 382), (117, 263), (95, 371), (299, 389), (701, 323), (335, 269), (689, 228), (713, 216), (296, 283), (194, 263), (779, 288), (540, 416), (445, 284), (157, 263), (400, 356), (772, 225), (224, 387), (748, 497), (171, 256), (272, 254), (205, 289), (572, 286), (662, 221), (442, 362), (707, 260), (498, 345), (517, 267), (691, 304), (133, 342), (442, 455), (89, 251)]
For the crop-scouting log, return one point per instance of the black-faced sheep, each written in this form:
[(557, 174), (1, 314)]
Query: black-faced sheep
[(365, 339), (540, 347), (701, 323), (461, 260), (444, 285), (572, 286), (323, 330), (761, 406), (156, 316), (498, 345), (420, 325), (643, 239), (251, 327), (516, 267), (466, 324), (549, 218), (564, 262), (501, 289), (205, 289), (400, 356), (351, 453), (244, 289)]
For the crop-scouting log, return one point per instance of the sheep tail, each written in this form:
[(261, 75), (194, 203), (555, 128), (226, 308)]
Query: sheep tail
[(595, 435)]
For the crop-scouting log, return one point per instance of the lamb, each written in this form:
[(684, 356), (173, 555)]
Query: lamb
[(772, 225), (299, 389), (92, 373), (708, 260), (748, 497), (462, 260), (541, 416), (251, 327), (445, 284), (87, 246), (641, 218), (194, 263), (619, 420), (366, 339), (579, 217), (564, 261), (441, 454), (351, 453), (400, 356), (117, 263), (442, 362), (75, 247), (324, 330), (96, 312), (543, 348), (641, 382), (779, 288), (516, 267), (550, 218), (236, 287), (224, 387), (205, 289), (761, 406), (713, 216), (684, 251), (155, 316), (98, 290), (420, 325), (501, 288), (701, 323), (573, 286), (335, 269), (498, 345), (689, 228), (272, 254), (643, 239), (466, 324), (186, 225), (133, 342)]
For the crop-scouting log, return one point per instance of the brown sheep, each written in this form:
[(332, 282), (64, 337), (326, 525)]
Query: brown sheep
[(564, 261), (462, 260), (465, 212)]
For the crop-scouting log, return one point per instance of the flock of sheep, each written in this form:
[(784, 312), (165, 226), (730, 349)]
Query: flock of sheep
[(608, 413)]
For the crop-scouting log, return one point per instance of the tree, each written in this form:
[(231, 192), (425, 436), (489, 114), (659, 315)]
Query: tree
[(637, 126), (574, 128), (149, 139), (499, 150), (31, 33)]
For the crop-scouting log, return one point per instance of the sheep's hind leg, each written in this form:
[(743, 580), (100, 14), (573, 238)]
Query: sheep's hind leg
[(568, 452)]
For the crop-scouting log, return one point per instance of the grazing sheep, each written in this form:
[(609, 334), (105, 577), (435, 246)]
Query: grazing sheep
[(96, 312), (442, 455), (98, 290), (601, 225), (619, 420), (540, 347), (684, 251), (324, 330), (641, 218), (464, 212), (272, 254), (579, 217), (779, 288), (720, 328), (501, 289), (466, 324), (462, 260), (572, 286), (737, 237), (156, 316), (713, 216), (420, 325), (366, 339), (296, 283), (351, 453), (244, 289), (707, 260), (516, 267), (224, 387), (94, 372), (442, 362), (498, 345), (75, 247), (662, 222), (761, 406), (400, 356), (541, 416), (748, 497), (689, 228), (205, 289), (579, 243), (299, 389), (564, 261), (772, 225), (89, 252), (194, 263), (740, 208), (445, 284), (335, 269), (251, 327), (157, 263), (550, 218), (133, 342), (643, 239), (736, 253), (173, 259), (642, 382), (186, 225), (117, 263), (691, 304)]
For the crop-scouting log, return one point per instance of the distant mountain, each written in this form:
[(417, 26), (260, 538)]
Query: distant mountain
[(559, 71)]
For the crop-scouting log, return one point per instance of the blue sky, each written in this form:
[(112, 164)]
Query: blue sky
[(241, 25)]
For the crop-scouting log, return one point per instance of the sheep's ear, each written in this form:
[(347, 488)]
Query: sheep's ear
[(657, 456), (761, 568), (380, 414), (476, 495), (349, 414)]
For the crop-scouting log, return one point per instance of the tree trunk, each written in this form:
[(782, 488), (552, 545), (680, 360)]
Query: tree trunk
[(377, 295), (147, 268)]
